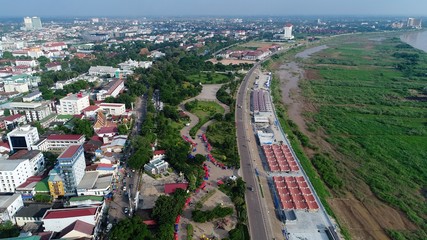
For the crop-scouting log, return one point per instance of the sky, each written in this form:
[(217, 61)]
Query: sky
[(137, 8)]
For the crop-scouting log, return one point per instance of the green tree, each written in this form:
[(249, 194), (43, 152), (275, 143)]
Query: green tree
[(6, 112), (39, 127), (123, 129), (130, 229), (43, 61), (8, 55), (8, 230), (84, 127)]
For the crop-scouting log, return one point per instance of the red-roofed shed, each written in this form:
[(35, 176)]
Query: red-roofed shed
[(171, 187)]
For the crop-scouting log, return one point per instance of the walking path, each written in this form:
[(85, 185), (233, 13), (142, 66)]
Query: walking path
[(208, 94)]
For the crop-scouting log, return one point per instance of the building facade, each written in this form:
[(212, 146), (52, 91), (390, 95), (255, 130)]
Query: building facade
[(115, 109), (9, 205), (72, 166), (33, 111), (73, 104), (22, 138), (13, 173), (288, 32)]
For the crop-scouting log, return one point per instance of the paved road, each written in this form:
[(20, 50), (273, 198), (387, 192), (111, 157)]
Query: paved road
[(256, 213)]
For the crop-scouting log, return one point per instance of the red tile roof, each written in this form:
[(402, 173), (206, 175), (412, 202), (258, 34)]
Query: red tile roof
[(5, 144), (105, 130), (74, 137), (30, 180), (171, 187), (159, 152), (90, 108), (12, 117), (69, 213), (79, 226), (111, 104), (70, 151)]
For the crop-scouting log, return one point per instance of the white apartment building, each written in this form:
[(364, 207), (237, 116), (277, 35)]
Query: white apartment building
[(22, 138), (35, 157), (115, 109), (33, 111), (59, 142), (73, 104), (16, 87), (112, 89), (288, 32), (103, 71), (30, 63), (13, 173), (9, 205)]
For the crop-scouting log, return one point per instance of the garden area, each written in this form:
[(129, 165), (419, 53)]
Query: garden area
[(209, 78), (205, 111)]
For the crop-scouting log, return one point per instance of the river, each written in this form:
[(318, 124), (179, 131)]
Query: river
[(416, 39)]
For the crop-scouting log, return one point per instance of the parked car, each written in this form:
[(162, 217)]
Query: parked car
[(126, 210)]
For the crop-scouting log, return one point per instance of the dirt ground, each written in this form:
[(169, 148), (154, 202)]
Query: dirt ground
[(366, 219)]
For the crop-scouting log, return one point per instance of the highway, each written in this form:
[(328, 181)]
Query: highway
[(257, 217)]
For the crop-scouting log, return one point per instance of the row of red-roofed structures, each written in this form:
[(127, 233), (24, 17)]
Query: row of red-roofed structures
[(294, 193), (205, 140), (187, 139), (215, 162), (280, 159)]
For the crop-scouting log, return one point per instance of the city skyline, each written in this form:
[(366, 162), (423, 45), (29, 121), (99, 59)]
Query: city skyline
[(134, 8)]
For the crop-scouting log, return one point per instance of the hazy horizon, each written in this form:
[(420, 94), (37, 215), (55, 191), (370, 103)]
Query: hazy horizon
[(244, 8)]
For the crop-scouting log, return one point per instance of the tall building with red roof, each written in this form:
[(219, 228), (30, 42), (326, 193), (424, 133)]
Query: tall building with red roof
[(72, 166)]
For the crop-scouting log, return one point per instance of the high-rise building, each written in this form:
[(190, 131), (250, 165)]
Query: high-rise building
[(414, 23), (37, 23), (28, 23), (22, 138), (288, 32), (71, 164), (73, 104), (32, 23)]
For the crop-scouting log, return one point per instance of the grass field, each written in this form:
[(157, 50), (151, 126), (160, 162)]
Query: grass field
[(208, 78), (204, 111), (374, 113)]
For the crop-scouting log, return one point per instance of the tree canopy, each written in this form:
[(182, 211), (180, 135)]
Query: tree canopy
[(131, 228)]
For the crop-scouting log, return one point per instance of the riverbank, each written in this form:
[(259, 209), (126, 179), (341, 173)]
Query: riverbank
[(334, 102)]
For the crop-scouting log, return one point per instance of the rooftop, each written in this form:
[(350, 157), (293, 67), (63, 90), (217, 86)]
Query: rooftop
[(70, 213), (70, 151), (88, 181), (7, 165), (87, 197), (25, 154), (7, 199), (33, 210), (12, 117), (111, 104), (90, 108), (76, 96), (42, 186), (70, 137), (79, 226)]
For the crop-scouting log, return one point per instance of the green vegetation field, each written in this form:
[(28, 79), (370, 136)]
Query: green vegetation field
[(208, 77), (371, 106), (205, 111)]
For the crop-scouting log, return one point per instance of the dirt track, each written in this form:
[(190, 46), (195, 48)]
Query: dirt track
[(364, 220)]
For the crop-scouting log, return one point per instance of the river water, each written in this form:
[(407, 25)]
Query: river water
[(416, 39)]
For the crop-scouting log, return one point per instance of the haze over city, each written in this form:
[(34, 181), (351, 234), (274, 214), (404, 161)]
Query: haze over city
[(53, 8)]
